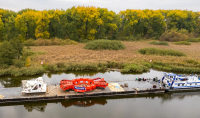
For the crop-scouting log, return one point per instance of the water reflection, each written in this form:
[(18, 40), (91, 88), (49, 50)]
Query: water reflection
[(54, 78), (179, 95), (77, 73), (35, 106), (84, 102), (137, 102), (10, 81)]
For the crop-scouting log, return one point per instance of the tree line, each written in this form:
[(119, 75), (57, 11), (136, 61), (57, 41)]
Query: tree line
[(87, 22)]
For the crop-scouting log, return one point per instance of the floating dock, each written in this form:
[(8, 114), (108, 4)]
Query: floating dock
[(54, 92)]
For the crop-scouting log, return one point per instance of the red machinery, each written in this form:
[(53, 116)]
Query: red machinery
[(83, 84)]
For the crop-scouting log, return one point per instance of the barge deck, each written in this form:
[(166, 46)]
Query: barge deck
[(54, 92)]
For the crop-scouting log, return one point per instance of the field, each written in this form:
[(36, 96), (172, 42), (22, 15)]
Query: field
[(77, 54), (76, 58)]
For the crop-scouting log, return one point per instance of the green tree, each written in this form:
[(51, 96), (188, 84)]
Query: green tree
[(17, 46), (7, 53), (2, 33), (10, 29)]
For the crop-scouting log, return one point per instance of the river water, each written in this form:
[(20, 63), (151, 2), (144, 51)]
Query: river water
[(168, 105)]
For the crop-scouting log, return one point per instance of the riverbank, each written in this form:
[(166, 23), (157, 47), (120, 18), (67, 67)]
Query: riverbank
[(76, 58)]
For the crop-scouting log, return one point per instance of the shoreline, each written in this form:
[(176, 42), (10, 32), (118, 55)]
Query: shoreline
[(95, 67)]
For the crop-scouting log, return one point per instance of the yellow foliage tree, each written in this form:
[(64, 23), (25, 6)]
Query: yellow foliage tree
[(41, 30), (27, 62)]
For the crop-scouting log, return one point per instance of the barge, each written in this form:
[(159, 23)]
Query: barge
[(54, 92), (174, 82)]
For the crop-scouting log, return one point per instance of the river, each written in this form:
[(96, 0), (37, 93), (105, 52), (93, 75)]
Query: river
[(168, 105)]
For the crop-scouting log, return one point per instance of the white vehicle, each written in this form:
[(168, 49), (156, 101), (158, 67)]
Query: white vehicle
[(173, 81), (34, 86)]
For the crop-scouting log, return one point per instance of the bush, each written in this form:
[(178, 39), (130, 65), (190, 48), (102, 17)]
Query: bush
[(123, 38), (29, 42), (134, 68), (43, 42), (161, 52), (4, 66), (47, 42), (194, 40), (18, 63), (182, 43), (27, 62), (173, 36), (159, 43), (68, 42), (56, 41), (27, 71), (27, 52), (104, 45)]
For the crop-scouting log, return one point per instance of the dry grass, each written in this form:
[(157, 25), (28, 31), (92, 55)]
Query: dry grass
[(77, 54)]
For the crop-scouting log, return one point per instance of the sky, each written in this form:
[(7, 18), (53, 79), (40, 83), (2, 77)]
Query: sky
[(114, 5)]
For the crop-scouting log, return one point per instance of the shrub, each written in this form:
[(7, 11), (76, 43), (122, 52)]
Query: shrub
[(182, 43), (68, 42), (173, 35), (161, 52), (84, 40), (47, 42), (4, 66), (18, 63), (27, 71), (56, 41), (60, 64), (29, 42), (43, 42), (104, 45), (134, 68), (27, 52), (27, 62), (159, 43), (52, 67), (191, 61), (123, 38), (194, 40)]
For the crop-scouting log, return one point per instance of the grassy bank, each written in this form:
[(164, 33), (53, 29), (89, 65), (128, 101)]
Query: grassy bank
[(24, 71), (76, 58), (125, 67)]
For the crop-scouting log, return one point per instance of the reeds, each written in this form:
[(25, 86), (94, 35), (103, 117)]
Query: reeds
[(159, 43), (24, 71), (161, 52), (182, 43), (61, 66), (194, 40), (104, 45), (48, 42), (126, 67), (134, 68)]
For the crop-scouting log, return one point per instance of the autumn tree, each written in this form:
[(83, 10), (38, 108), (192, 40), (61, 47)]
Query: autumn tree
[(42, 23)]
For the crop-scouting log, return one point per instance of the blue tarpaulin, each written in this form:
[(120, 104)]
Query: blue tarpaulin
[(79, 88)]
